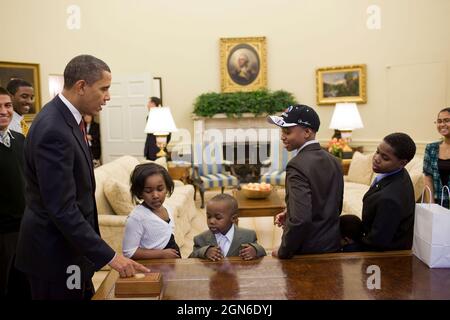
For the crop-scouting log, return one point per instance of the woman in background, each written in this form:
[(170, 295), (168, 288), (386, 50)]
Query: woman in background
[(151, 148), (93, 136), (436, 162)]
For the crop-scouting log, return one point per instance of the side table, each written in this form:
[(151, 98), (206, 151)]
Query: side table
[(179, 171), (346, 165)]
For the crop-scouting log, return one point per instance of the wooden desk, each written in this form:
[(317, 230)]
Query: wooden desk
[(337, 276), (259, 207)]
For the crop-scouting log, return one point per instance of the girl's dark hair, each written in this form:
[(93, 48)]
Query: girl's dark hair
[(142, 172), (445, 110)]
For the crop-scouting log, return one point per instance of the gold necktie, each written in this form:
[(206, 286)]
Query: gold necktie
[(25, 127)]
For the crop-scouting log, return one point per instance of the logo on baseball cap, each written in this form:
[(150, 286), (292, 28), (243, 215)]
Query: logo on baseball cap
[(300, 114)]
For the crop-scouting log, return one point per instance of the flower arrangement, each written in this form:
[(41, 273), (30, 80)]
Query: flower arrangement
[(337, 147)]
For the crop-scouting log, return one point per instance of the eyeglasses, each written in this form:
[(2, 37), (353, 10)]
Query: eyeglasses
[(440, 121)]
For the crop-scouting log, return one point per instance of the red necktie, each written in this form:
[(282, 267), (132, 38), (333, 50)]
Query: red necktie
[(83, 130)]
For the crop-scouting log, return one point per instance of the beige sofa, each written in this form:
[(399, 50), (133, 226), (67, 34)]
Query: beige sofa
[(114, 203), (360, 177)]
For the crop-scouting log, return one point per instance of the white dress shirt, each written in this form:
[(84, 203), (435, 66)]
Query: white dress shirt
[(76, 114), (307, 143), (224, 240)]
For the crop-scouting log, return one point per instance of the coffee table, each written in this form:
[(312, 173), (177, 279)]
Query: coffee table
[(270, 206)]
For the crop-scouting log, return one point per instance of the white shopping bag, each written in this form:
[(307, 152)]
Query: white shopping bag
[(431, 242)]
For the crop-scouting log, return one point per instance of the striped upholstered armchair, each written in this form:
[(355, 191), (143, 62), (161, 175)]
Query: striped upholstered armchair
[(279, 157), (210, 170)]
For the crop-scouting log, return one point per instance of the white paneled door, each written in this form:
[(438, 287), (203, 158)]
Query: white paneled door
[(123, 119)]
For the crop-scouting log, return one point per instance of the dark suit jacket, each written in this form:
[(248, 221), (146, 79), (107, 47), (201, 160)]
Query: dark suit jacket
[(60, 226), (241, 236), (388, 213), (94, 131), (314, 196)]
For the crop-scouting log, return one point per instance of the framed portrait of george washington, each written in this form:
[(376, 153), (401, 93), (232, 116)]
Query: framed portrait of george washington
[(28, 72), (243, 64), (341, 84)]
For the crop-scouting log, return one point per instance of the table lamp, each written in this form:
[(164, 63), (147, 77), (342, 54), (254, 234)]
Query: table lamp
[(346, 118), (160, 123)]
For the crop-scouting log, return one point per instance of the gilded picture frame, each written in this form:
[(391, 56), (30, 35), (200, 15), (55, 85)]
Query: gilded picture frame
[(341, 84), (243, 64), (26, 71)]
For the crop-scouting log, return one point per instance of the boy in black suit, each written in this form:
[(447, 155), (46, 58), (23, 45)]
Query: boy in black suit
[(388, 206)]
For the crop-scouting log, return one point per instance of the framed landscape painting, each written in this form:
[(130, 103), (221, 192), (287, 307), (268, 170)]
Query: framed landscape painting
[(25, 71), (341, 84), (243, 64)]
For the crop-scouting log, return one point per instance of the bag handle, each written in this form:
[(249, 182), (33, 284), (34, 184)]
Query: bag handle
[(429, 191), (442, 194)]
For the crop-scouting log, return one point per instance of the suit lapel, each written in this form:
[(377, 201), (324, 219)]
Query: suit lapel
[(211, 238), (73, 125), (236, 243), (381, 184)]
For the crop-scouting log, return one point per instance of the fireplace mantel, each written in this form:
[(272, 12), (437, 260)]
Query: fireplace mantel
[(224, 116), (246, 128)]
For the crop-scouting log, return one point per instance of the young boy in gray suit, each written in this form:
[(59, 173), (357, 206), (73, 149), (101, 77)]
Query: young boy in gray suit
[(224, 238)]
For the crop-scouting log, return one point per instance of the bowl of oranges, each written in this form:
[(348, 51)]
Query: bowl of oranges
[(257, 190)]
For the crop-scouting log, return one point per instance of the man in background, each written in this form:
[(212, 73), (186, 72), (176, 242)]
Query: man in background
[(13, 284), (23, 98)]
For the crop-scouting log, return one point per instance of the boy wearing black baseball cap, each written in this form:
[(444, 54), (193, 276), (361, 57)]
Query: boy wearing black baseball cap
[(314, 188)]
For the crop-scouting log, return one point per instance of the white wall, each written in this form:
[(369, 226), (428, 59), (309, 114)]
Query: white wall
[(179, 41)]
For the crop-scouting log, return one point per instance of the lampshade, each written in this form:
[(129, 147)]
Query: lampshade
[(160, 121), (346, 117)]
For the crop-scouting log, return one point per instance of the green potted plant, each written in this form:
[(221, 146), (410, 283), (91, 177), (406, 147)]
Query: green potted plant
[(234, 104)]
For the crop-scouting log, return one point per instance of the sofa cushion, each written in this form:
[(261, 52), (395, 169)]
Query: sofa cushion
[(119, 196), (120, 170), (415, 167), (360, 170), (353, 195)]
